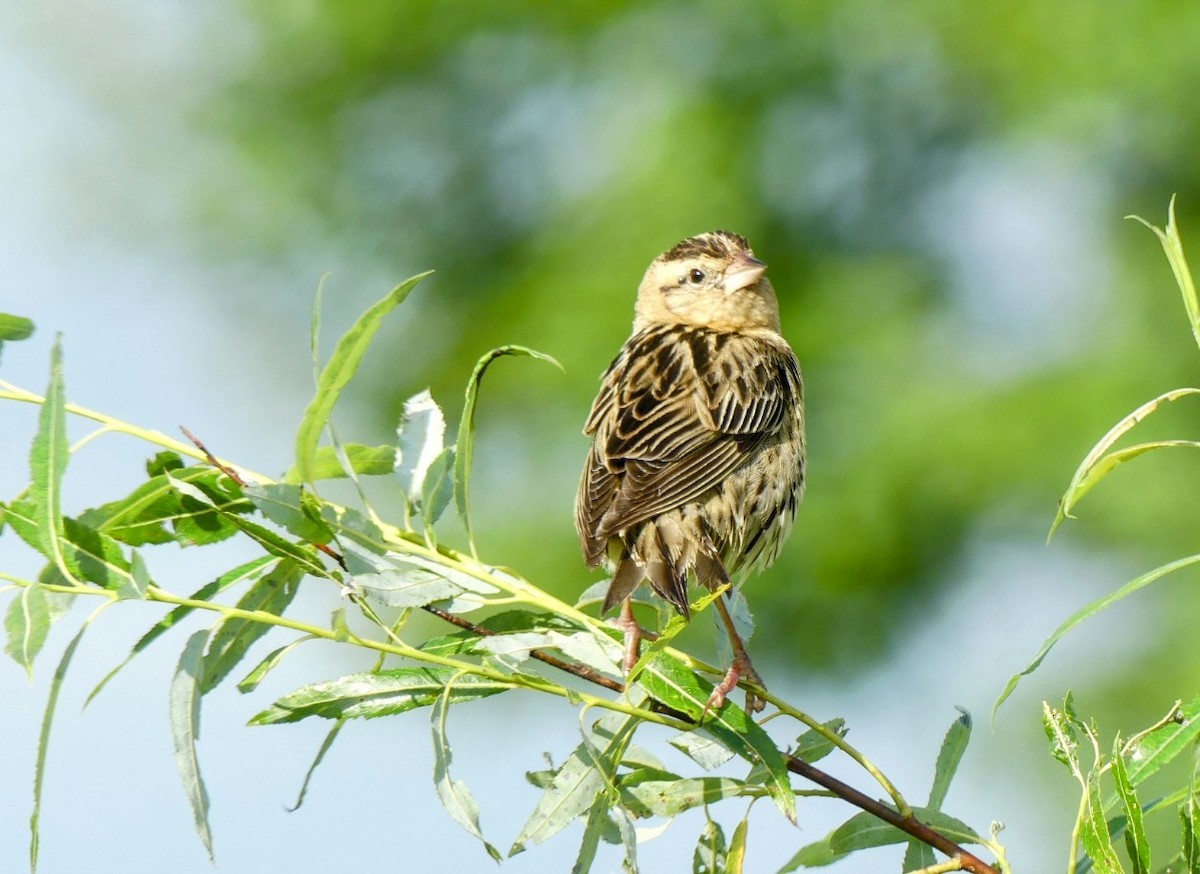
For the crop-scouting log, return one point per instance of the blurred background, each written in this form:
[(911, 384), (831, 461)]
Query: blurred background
[(938, 190)]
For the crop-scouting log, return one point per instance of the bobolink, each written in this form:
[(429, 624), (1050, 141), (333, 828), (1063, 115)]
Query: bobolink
[(697, 458)]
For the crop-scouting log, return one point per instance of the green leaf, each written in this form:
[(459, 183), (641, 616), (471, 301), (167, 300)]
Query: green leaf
[(250, 682), (248, 571), (953, 746), (185, 731), (736, 859), (704, 751), (1172, 245), (421, 438), (292, 509), (814, 855), (812, 746), (1136, 842), (1062, 728), (376, 693), (1086, 478), (48, 462), (308, 775), (669, 681), (593, 831), (710, 854), (571, 793), (302, 554), (1160, 746), (1087, 612), (647, 792), (600, 653), (364, 461), (97, 558), (437, 489), (271, 594), (14, 328), (141, 517), (1189, 814), (405, 587), (342, 365), (456, 798), (864, 830), (20, 515), (27, 622), (39, 770), (1094, 834), (917, 857), (465, 442)]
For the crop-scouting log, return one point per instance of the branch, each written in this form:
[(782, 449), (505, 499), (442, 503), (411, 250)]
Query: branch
[(908, 824)]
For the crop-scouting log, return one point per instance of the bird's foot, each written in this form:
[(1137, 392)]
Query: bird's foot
[(634, 634), (739, 670)]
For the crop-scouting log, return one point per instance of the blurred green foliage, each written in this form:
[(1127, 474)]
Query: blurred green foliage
[(937, 188)]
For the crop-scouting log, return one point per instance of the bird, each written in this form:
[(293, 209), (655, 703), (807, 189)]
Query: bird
[(697, 458)]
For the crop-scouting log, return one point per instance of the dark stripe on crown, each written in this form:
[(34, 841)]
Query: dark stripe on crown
[(716, 244)]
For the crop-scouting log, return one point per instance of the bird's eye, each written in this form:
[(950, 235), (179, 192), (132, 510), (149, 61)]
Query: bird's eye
[(695, 276)]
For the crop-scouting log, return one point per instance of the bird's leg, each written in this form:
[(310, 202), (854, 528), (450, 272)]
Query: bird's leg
[(741, 667), (627, 622)]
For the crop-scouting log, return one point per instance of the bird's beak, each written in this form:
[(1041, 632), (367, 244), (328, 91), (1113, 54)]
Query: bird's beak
[(743, 273)]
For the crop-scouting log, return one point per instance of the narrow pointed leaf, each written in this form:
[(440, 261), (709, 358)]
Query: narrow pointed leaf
[(285, 505), (370, 694), (704, 751), (185, 731), (39, 771), (736, 858), (342, 365), (1094, 834), (26, 624), (1085, 475), (456, 798), (273, 660), (864, 830), (411, 587), (14, 328), (1172, 245), (248, 571), (465, 442), (655, 793), (437, 488), (593, 832), (97, 558), (326, 744), (364, 461), (671, 682), (709, 856), (48, 462), (575, 787), (1106, 465), (1136, 842), (812, 746), (422, 437), (302, 554), (271, 594), (951, 753), (1087, 612)]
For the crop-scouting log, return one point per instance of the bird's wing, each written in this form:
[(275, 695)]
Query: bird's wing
[(680, 409)]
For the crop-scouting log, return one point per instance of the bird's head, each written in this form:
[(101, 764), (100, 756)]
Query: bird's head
[(711, 280)]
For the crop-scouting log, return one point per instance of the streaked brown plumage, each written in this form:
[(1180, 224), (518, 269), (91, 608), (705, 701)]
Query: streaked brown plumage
[(697, 458)]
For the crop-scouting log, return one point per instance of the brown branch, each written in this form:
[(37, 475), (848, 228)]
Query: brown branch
[(908, 824)]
